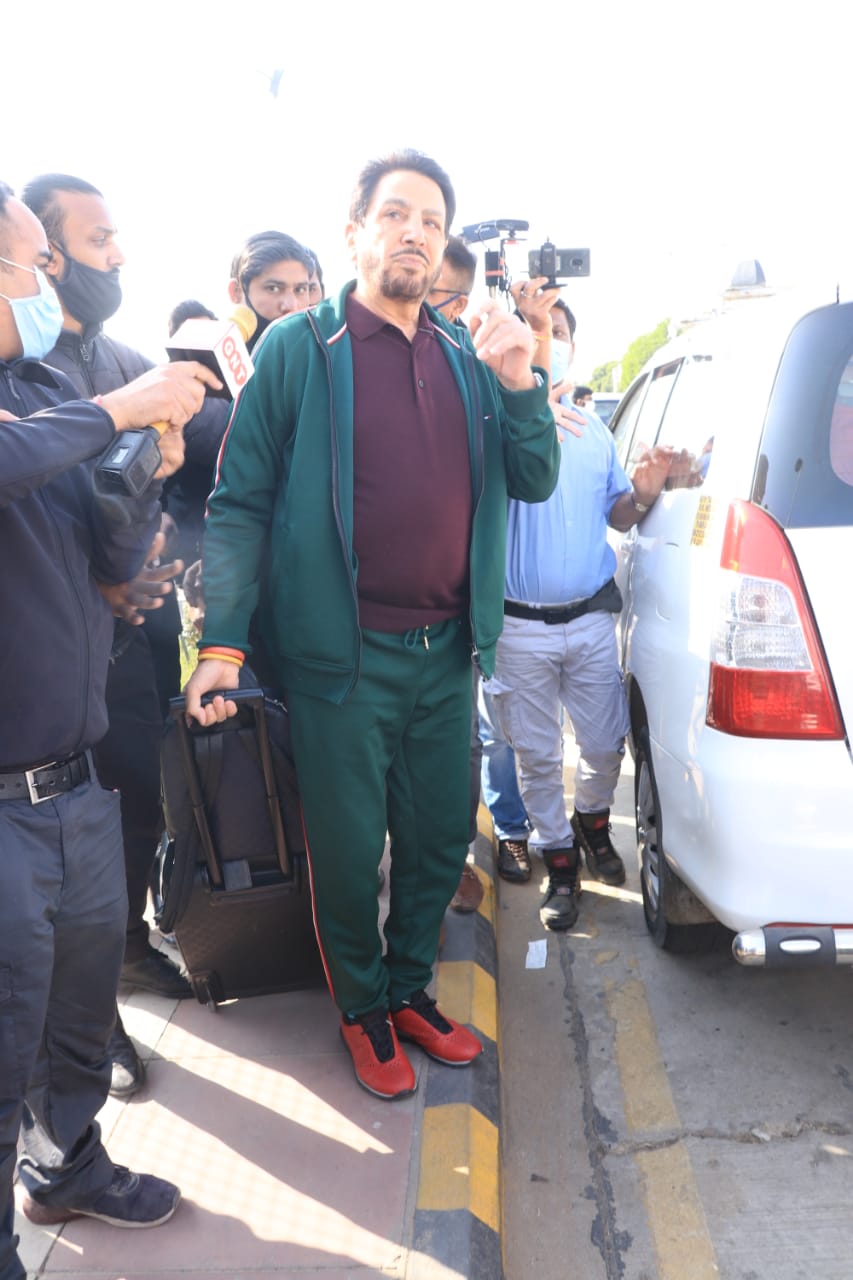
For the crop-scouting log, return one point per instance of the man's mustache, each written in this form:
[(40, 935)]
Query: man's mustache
[(411, 253)]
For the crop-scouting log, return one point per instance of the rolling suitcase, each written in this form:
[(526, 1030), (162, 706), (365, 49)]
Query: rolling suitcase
[(235, 878)]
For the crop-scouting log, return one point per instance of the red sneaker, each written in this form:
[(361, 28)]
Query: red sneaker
[(380, 1064), (441, 1038)]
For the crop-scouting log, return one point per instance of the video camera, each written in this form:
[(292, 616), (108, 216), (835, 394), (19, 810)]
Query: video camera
[(556, 264)]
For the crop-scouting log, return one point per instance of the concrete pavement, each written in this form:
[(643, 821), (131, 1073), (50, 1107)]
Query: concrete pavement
[(287, 1167)]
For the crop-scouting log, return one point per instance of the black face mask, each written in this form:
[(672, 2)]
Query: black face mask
[(91, 296), (263, 322)]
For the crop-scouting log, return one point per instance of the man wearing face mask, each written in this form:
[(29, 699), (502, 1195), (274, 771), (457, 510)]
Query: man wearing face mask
[(451, 291), (84, 270), (63, 905), (558, 645)]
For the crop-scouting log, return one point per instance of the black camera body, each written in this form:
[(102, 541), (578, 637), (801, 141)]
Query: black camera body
[(557, 264), (127, 466)]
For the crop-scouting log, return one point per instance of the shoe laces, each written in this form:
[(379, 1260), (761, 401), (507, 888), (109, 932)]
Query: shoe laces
[(562, 880), (599, 838), (377, 1027), (425, 1007), (123, 1180)]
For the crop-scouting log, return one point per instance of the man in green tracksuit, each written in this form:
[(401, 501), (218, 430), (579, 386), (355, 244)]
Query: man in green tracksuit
[(360, 507)]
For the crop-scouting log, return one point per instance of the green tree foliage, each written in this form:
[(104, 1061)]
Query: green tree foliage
[(640, 350), (602, 377)]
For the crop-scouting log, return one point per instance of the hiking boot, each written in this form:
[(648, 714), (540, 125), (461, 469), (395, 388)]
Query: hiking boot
[(513, 861), (381, 1066), (131, 1200), (128, 1069), (559, 907), (592, 831), (420, 1021)]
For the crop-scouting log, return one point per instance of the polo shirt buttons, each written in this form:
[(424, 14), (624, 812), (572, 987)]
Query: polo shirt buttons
[(421, 383)]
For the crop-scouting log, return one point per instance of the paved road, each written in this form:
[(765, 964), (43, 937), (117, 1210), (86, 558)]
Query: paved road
[(664, 1117)]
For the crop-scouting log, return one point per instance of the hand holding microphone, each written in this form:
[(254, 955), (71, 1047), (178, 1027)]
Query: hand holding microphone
[(208, 354)]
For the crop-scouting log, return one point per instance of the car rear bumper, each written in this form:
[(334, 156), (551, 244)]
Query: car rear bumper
[(761, 831), (794, 946)]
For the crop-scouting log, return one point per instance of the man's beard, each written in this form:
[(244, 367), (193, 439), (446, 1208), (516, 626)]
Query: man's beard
[(399, 284)]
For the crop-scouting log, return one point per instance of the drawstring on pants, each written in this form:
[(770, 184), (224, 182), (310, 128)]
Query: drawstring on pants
[(412, 638)]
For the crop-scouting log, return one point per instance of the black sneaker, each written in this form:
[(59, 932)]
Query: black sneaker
[(131, 1200), (592, 831), (156, 972), (128, 1069), (559, 907)]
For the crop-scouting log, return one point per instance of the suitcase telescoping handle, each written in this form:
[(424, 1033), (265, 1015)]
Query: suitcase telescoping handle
[(254, 701)]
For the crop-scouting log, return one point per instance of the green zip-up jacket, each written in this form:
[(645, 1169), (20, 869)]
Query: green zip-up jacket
[(280, 520)]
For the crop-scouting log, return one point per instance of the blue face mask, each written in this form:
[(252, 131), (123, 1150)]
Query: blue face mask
[(439, 306), (561, 360), (38, 319)]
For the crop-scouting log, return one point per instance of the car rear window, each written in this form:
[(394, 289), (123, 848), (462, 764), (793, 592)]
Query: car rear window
[(804, 474), (841, 428)]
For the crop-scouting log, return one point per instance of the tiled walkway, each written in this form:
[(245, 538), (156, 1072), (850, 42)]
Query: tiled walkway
[(286, 1166)]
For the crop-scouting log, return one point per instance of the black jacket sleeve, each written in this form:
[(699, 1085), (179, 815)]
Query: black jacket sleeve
[(36, 449), (122, 532)]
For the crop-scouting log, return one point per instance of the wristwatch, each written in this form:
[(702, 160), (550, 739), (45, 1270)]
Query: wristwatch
[(639, 506)]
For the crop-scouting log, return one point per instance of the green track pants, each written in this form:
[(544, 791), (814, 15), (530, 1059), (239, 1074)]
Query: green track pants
[(394, 757)]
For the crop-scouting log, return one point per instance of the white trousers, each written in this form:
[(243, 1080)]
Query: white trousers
[(538, 669)]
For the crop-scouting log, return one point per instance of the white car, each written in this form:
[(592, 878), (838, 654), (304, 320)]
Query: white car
[(736, 634), (605, 405)]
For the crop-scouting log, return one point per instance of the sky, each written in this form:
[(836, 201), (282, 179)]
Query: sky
[(671, 139)]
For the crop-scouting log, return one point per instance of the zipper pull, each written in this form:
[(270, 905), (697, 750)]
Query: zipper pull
[(426, 639)]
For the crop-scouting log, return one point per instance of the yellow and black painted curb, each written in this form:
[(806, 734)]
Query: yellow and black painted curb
[(458, 1210)]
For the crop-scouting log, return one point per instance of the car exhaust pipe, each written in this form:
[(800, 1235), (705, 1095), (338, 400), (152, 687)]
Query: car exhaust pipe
[(794, 946)]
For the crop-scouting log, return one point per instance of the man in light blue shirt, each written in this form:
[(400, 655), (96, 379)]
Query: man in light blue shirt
[(558, 647)]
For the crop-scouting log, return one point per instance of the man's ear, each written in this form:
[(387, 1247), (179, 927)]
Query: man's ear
[(235, 291), (349, 237), (56, 267)]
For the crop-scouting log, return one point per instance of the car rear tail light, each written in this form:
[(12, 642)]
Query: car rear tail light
[(769, 677)]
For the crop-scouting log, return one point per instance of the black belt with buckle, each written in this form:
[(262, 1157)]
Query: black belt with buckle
[(46, 780), (551, 615), (608, 599)]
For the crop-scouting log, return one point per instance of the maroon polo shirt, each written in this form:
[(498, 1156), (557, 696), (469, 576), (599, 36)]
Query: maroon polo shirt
[(412, 476)]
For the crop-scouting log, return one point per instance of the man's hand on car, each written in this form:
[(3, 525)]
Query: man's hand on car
[(653, 469)]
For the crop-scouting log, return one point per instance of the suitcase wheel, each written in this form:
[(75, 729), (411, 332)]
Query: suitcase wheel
[(205, 988)]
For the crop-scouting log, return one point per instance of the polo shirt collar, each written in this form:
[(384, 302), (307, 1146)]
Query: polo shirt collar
[(363, 323)]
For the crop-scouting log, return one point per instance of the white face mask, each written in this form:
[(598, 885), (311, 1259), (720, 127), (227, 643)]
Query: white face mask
[(561, 360), (39, 318)]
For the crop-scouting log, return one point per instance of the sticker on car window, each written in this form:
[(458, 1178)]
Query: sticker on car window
[(701, 522)]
